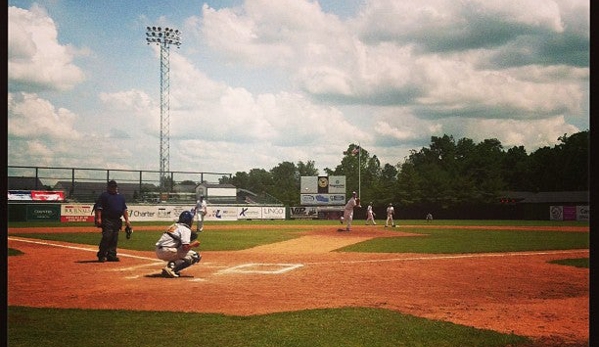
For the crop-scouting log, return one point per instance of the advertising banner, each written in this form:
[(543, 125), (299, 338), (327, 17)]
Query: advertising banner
[(556, 213), (569, 212), (337, 185), (273, 212), (43, 195), (322, 199), (249, 212), (583, 213), (168, 213), (164, 213), (221, 213), (303, 212), (76, 213), (19, 195), (43, 212)]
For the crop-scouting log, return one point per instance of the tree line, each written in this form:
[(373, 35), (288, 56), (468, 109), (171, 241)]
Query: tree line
[(447, 173)]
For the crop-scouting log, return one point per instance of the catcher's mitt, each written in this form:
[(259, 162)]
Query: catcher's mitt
[(194, 236), (128, 231)]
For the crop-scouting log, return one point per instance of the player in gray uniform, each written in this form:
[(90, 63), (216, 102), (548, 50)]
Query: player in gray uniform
[(175, 246)]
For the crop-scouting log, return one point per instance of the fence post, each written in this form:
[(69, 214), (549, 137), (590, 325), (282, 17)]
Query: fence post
[(72, 182)]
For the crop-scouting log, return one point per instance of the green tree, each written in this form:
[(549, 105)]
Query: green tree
[(307, 169), (240, 180), (446, 174), (516, 169), (285, 183), (573, 155), (260, 181)]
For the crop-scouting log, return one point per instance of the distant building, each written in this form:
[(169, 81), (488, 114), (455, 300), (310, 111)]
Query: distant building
[(217, 193), (25, 183), (89, 191)]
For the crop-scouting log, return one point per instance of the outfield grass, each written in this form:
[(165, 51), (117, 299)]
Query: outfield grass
[(456, 241), (432, 240), (399, 222), (364, 327)]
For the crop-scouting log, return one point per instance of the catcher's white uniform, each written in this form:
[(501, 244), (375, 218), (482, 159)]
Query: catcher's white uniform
[(169, 248), (173, 247)]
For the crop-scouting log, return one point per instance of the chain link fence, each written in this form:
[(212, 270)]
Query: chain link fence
[(85, 184)]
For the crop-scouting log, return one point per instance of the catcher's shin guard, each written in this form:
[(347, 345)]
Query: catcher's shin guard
[(195, 257), (191, 258)]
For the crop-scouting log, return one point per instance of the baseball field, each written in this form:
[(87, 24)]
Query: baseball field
[(304, 283)]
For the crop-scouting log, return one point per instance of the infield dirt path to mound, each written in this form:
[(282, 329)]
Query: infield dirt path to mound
[(519, 293)]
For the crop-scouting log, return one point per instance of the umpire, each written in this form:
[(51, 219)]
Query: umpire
[(109, 208)]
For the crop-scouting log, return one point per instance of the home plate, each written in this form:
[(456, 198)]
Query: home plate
[(261, 268)]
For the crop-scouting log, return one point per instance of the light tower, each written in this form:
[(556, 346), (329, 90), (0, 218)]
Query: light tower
[(164, 37)]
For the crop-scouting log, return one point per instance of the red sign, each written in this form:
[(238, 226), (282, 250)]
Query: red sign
[(66, 219), (43, 195)]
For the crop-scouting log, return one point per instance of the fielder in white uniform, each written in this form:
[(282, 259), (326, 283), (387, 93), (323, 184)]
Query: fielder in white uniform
[(370, 215), (348, 211), (201, 210), (390, 213)]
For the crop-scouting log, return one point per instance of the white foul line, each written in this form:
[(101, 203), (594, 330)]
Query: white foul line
[(78, 248), (449, 256)]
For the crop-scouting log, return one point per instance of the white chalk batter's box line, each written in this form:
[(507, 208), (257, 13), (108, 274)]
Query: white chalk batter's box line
[(261, 268), (250, 268)]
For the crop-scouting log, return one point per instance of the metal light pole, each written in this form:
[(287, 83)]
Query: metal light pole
[(359, 171), (164, 37)]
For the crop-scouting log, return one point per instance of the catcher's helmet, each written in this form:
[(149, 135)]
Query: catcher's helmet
[(186, 218)]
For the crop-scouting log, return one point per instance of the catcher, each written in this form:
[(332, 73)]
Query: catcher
[(348, 212), (175, 246)]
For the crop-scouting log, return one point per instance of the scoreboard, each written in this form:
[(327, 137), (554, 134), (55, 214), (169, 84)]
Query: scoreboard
[(322, 190)]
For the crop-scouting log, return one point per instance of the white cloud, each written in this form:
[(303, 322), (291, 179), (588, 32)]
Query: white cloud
[(278, 33), (460, 88), (532, 134), (36, 60), (447, 25), (32, 117), (132, 100)]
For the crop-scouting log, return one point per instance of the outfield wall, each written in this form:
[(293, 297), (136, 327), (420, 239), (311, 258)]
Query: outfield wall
[(63, 212), (140, 213)]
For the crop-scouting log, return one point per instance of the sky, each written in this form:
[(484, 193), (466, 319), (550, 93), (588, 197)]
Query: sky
[(259, 82)]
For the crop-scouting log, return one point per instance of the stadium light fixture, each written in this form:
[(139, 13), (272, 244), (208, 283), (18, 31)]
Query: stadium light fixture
[(165, 38)]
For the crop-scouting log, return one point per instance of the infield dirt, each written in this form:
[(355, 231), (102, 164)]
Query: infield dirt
[(520, 293)]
